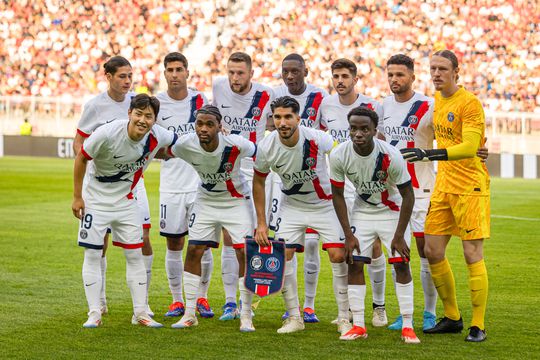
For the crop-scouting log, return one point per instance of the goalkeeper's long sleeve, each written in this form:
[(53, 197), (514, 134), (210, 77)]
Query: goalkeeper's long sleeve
[(468, 147)]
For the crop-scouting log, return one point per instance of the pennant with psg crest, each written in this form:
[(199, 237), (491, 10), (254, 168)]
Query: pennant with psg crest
[(265, 267)]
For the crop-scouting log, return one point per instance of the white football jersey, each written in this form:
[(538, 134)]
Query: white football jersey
[(243, 115), (219, 170), (177, 176), (310, 102), (118, 163), (302, 168), (409, 125), (375, 177), (102, 110)]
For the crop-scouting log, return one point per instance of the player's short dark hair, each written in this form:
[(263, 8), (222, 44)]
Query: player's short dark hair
[(112, 65), (401, 59), (286, 102), (344, 64), (240, 57), (364, 111), (447, 54), (142, 101), (175, 56), (210, 110), (295, 57)]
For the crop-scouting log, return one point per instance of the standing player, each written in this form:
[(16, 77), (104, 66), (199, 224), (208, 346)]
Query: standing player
[(223, 201), (298, 155), (294, 72), (105, 108), (120, 152), (334, 111), (380, 176), (245, 106), (460, 201), (408, 123), (179, 181)]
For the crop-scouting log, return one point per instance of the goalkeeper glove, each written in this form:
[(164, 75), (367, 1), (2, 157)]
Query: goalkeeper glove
[(417, 154)]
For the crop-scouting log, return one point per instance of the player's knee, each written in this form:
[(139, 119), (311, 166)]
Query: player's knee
[(402, 270), (336, 255), (195, 252), (356, 272), (175, 244), (433, 252), (473, 251)]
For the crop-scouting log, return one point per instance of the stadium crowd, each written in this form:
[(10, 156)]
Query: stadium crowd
[(55, 49)]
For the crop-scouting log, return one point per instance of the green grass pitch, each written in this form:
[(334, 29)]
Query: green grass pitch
[(42, 303)]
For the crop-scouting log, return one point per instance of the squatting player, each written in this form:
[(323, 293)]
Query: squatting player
[(298, 155), (382, 209), (178, 182), (223, 201), (460, 201), (294, 73), (334, 111), (120, 151), (245, 106), (107, 107)]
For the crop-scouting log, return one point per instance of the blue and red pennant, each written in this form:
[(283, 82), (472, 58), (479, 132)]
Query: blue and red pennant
[(265, 267)]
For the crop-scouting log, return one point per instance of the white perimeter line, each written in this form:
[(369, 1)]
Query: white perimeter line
[(514, 218)]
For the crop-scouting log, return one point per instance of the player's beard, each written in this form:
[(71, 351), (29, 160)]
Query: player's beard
[(239, 88), (289, 134)]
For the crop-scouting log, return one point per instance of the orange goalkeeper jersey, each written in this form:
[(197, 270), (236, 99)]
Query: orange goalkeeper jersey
[(451, 115)]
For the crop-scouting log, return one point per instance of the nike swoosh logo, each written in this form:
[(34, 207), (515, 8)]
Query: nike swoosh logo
[(146, 219), (341, 239), (117, 156), (204, 282), (225, 106), (278, 166), (468, 231), (342, 293), (108, 121), (195, 164), (166, 117), (330, 120), (378, 282), (90, 284), (311, 272), (142, 283), (351, 174), (386, 117), (173, 278)]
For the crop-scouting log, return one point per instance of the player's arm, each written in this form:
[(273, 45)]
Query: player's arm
[(79, 170), (77, 143), (398, 242), (259, 199), (340, 206)]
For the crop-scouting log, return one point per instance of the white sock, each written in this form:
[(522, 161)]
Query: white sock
[(246, 296), (229, 271), (136, 279), (405, 295), (312, 265), (290, 290), (103, 266), (174, 268), (191, 287), (91, 275), (207, 266), (148, 260), (430, 293), (339, 282), (377, 275), (357, 296)]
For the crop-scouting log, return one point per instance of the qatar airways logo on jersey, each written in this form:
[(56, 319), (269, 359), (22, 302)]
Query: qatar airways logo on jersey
[(215, 178), (307, 123), (372, 187), (241, 123), (182, 129), (133, 167), (340, 135), (443, 132), (399, 133), (300, 177)]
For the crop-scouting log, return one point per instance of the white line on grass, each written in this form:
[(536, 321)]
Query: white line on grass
[(514, 218)]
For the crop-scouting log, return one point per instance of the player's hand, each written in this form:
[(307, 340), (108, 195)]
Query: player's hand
[(78, 208), (483, 152), (413, 154), (261, 235), (351, 244), (399, 245), (225, 131)]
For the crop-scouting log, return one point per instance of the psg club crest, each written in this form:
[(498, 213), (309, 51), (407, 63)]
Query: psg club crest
[(310, 161), (228, 167), (264, 267), (83, 234), (311, 111), (162, 224), (413, 119), (256, 111), (450, 116), (382, 175)]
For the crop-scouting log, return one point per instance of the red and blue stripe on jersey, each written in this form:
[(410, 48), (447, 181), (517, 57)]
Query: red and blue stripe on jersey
[(381, 166), (313, 100), (196, 103), (230, 155), (151, 144), (260, 99)]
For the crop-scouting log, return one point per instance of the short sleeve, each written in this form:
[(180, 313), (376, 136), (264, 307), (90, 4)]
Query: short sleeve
[(337, 174), (262, 166), (397, 171), (87, 122), (176, 149), (247, 148), (326, 142), (95, 143)]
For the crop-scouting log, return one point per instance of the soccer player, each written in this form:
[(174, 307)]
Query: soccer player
[(120, 150), (223, 201), (408, 123), (382, 209), (178, 183), (298, 155), (334, 111), (102, 109), (460, 201), (293, 73), (245, 106)]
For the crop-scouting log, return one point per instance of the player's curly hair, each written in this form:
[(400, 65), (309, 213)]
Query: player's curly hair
[(286, 102), (210, 110), (112, 65), (401, 59), (364, 111), (142, 101)]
